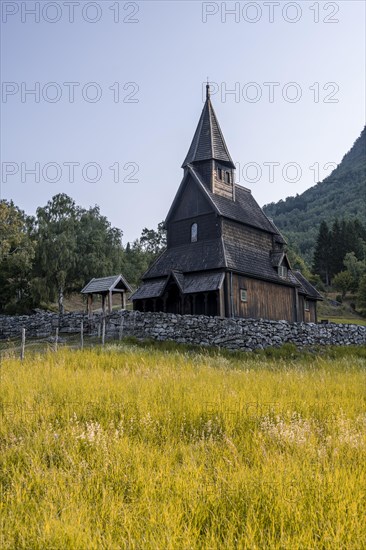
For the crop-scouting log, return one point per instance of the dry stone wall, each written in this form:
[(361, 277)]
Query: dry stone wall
[(234, 334)]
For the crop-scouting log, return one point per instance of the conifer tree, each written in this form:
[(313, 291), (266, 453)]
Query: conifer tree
[(321, 263), (336, 249)]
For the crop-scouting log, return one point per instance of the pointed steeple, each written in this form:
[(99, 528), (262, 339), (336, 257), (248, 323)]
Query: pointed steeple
[(208, 142)]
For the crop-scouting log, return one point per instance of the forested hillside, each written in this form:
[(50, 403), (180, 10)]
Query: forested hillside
[(341, 195)]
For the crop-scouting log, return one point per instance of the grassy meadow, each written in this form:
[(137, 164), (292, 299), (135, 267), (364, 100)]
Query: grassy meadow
[(160, 447)]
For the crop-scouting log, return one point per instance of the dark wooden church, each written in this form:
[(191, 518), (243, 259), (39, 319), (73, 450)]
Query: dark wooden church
[(224, 256)]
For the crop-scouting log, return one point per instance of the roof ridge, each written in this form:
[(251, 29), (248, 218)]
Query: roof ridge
[(107, 279), (200, 124), (221, 133), (115, 279), (153, 263), (210, 113)]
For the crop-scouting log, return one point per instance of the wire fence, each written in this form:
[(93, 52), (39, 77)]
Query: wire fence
[(23, 345)]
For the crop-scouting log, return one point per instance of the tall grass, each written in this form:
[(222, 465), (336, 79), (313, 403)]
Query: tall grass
[(141, 447)]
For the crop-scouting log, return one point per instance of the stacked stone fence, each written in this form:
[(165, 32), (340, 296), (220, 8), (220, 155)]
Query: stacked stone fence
[(234, 334)]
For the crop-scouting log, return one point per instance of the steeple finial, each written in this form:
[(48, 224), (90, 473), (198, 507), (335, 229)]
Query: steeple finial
[(207, 90)]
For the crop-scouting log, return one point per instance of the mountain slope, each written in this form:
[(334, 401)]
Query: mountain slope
[(340, 195)]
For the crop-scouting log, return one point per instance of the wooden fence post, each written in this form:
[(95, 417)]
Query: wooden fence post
[(22, 348), (56, 339), (98, 331), (103, 332), (82, 334), (121, 328)]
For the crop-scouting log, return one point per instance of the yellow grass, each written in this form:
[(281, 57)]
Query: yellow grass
[(144, 448)]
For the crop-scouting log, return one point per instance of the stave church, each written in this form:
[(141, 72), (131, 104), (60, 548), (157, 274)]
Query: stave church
[(224, 256)]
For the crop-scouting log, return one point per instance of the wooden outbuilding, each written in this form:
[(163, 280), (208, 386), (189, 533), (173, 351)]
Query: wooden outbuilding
[(106, 287), (224, 256)]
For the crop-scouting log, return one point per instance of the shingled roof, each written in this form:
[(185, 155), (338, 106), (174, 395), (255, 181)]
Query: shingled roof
[(254, 262), (237, 259), (208, 141), (199, 256), (277, 259), (106, 284), (244, 209), (189, 284), (306, 287), (217, 254), (149, 289)]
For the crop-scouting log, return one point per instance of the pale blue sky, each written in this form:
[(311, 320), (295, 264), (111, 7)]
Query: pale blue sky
[(168, 53)]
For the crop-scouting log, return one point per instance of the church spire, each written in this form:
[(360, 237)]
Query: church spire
[(208, 141)]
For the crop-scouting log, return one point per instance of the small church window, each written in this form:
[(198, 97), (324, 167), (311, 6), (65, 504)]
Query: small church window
[(220, 173), (282, 271), (243, 295), (194, 232), (227, 177), (307, 306)]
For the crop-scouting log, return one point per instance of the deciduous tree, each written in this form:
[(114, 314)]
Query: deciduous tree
[(56, 256), (16, 257)]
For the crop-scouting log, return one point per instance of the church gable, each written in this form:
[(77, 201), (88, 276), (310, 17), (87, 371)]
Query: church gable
[(189, 202), (191, 230)]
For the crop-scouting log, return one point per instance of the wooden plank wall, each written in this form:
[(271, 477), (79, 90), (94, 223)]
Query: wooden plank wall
[(312, 312), (222, 188), (192, 202), (301, 312), (180, 231), (204, 170), (264, 299), (307, 316)]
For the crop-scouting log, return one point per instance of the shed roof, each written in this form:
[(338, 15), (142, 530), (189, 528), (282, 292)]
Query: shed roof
[(203, 282), (307, 288), (247, 260), (218, 254), (199, 256), (188, 284), (106, 284), (254, 262), (153, 288)]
